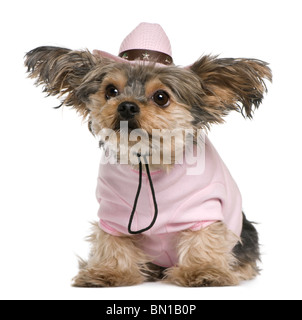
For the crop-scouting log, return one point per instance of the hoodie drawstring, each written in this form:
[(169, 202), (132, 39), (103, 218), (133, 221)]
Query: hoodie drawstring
[(138, 194)]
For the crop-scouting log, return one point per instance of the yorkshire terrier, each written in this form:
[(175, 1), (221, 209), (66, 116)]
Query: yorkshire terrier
[(158, 220)]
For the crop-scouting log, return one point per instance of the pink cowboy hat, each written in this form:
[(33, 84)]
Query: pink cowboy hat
[(148, 42)]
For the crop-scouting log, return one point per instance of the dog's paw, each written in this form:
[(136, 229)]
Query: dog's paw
[(95, 278), (200, 277)]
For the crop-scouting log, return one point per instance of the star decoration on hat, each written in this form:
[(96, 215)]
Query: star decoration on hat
[(168, 61), (125, 56), (146, 56)]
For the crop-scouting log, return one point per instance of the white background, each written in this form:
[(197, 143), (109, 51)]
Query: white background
[(49, 160)]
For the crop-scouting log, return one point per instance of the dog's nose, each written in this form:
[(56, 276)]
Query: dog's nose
[(128, 110)]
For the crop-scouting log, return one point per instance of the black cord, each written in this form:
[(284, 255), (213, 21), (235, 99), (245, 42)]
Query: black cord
[(137, 197)]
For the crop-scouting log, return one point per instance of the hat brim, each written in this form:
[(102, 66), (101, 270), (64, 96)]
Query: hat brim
[(106, 55)]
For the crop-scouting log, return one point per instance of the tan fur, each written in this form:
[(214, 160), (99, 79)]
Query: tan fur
[(175, 117), (113, 262), (104, 113), (206, 259)]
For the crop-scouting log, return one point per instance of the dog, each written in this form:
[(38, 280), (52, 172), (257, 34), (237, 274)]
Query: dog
[(156, 220)]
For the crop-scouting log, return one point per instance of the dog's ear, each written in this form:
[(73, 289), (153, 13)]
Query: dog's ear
[(232, 84), (61, 71)]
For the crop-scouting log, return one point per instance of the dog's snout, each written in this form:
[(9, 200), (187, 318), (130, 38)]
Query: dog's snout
[(128, 110)]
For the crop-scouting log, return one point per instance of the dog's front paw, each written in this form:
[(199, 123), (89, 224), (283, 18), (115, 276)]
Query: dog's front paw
[(197, 276), (92, 277)]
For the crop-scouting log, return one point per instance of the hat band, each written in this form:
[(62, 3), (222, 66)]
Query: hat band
[(147, 55)]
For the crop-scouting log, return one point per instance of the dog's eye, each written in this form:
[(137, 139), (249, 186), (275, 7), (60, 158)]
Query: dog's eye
[(161, 98), (111, 92)]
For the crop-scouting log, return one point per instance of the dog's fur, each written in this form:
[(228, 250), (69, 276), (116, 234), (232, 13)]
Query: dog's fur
[(200, 95)]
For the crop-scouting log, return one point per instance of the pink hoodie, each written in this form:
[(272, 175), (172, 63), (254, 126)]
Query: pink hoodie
[(185, 202)]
